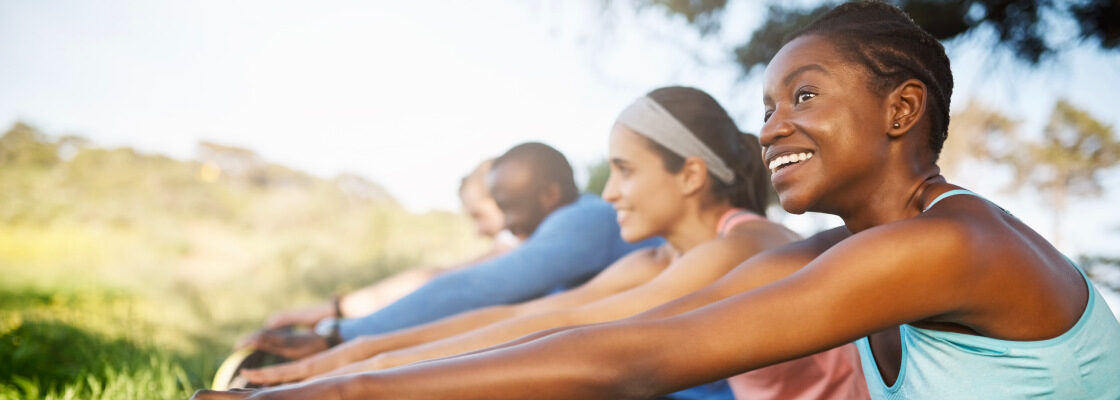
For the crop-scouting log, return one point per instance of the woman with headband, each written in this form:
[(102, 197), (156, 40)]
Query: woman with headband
[(680, 169)]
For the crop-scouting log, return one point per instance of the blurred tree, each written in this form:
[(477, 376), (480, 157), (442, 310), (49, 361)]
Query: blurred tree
[(978, 133), (1021, 26), (597, 175), (24, 145), (1067, 161), (1075, 148)]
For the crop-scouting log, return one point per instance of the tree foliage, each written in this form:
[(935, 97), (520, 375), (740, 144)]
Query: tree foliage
[(22, 145), (1064, 161), (1020, 26), (1075, 148)]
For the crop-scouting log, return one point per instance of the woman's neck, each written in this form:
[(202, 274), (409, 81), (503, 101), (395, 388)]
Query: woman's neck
[(891, 203), (695, 228)]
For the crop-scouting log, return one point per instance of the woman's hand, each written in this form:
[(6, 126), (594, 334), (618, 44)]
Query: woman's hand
[(328, 389), (285, 343), (337, 357)]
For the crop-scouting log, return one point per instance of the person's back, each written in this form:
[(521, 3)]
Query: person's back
[(945, 361)]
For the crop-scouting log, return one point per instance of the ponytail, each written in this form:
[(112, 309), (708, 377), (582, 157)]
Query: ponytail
[(705, 118)]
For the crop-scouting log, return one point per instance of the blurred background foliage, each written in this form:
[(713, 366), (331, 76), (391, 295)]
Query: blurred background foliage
[(1026, 29), (127, 274)]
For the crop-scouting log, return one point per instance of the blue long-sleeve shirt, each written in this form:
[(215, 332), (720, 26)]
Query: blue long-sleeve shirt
[(572, 244)]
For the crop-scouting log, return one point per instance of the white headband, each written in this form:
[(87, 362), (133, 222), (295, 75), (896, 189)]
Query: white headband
[(651, 120)]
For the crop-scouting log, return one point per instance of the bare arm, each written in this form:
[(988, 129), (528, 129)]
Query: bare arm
[(698, 268), (760, 270), (626, 273), (859, 287)]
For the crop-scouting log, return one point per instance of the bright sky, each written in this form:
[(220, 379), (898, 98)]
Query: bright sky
[(413, 94)]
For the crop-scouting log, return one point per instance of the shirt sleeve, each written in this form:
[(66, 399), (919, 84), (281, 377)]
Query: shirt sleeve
[(571, 245)]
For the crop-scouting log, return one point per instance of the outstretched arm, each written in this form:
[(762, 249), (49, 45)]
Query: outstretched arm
[(571, 245), (856, 288), (759, 270), (628, 272), (696, 269), (376, 295)]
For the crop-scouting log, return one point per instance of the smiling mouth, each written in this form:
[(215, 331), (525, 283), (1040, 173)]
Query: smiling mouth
[(789, 159)]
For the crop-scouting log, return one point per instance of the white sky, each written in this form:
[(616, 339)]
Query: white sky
[(413, 94)]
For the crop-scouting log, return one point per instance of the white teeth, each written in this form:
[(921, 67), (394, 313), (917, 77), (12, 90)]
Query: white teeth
[(789, 159)]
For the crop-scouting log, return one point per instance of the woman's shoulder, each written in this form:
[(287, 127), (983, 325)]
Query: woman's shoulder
[(762, 231)]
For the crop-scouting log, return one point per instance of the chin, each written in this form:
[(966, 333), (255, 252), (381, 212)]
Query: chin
[(634, 235), (793, 204)]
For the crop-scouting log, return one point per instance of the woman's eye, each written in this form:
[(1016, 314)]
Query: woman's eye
[(766, 116), (804, 96)]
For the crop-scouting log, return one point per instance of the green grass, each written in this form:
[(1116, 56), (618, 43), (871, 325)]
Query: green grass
[(89, 344)]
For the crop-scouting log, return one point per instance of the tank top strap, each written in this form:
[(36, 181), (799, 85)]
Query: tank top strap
[(950, 193), (733, 218), (955, 192)]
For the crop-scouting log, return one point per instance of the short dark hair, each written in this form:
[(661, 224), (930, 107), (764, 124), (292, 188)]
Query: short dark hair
[(892, 48), (706, 119), (546, 164)]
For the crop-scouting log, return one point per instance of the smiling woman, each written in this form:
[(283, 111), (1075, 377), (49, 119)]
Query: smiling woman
[(946, 294)]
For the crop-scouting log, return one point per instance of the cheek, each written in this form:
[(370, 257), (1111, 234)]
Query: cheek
[(653, 205)]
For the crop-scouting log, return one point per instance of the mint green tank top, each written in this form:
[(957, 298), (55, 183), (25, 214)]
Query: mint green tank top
[(1082, 363)]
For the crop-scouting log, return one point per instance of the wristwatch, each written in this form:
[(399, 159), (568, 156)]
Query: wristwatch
[(327, 328)]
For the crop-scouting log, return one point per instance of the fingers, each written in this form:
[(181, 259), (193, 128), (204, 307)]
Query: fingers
[(338, 356), (320, 363), (287, 372)]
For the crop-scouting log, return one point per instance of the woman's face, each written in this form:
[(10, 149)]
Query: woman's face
[(483, 210), (645, 195), (824, 137)]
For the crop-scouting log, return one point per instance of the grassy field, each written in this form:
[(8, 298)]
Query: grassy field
[(129, 276)]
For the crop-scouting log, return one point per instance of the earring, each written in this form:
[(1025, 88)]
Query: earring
[(895, 125)]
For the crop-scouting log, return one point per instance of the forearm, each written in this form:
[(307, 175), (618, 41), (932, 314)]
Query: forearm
[(501, 281), (602, 362), (441, 329), (475, 340)]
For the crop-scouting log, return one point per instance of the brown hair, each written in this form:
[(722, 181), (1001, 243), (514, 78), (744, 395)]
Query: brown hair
[(706, 119)]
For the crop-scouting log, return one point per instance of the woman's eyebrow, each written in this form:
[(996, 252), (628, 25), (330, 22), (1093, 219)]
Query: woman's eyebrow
[(803, 69)]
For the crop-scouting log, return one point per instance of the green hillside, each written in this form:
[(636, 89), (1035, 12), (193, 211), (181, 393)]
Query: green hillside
[(128, 275)]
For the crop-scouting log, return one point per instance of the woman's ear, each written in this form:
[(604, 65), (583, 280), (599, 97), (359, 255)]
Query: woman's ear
[(906, 105), (693, 175)]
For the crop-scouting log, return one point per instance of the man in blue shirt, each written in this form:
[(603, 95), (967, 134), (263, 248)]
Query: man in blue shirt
[(570, 238)]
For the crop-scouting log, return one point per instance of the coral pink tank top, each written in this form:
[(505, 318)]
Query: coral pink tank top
[(834, 374)]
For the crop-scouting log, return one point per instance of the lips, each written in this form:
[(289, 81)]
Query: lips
[(621, 215)]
